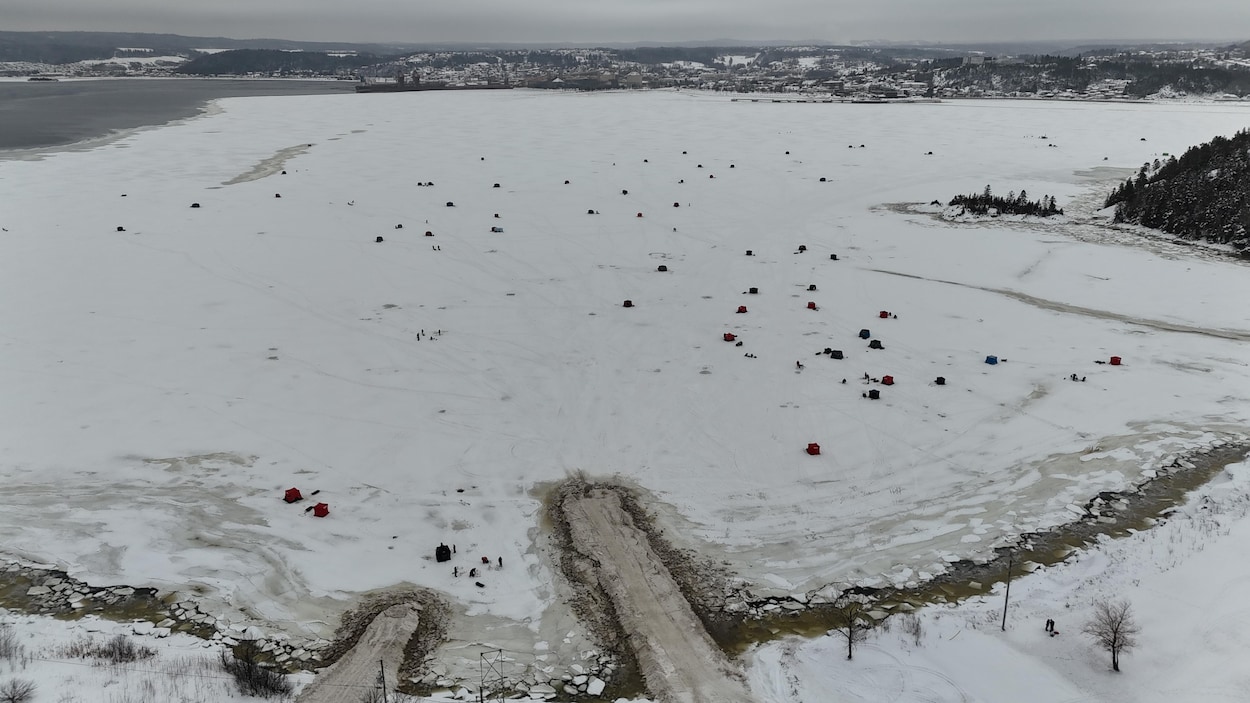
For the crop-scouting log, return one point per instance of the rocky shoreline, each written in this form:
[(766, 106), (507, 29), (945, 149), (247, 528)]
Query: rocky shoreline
[(43, 590), (734, 612)]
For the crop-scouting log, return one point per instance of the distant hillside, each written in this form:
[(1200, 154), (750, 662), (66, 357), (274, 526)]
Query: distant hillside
[(67, 47), (244, 61), (1203, 195)]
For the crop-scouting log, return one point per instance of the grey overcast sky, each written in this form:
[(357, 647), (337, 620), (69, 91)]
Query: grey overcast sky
[(590, 21)]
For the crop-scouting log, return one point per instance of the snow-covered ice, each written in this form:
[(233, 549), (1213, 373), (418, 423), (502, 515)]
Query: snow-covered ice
[(165, 383)]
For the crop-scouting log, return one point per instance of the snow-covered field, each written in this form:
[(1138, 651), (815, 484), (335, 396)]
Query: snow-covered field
[(165, 383), (1182, 579)]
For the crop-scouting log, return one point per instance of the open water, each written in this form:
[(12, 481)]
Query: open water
[(37, 115)]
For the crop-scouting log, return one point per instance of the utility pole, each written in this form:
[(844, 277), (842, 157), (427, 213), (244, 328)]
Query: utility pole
[(1007, 595), (382, 678)]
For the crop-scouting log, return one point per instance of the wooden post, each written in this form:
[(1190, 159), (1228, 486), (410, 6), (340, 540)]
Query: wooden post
[(1007, 595), (382, 678)]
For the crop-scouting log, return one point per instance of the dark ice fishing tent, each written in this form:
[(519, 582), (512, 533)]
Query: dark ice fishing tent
[(1115, 361), (991, 360), (730, 336), (442, 553), (321, 509), (864, 334), (813, 448), (292, 495)]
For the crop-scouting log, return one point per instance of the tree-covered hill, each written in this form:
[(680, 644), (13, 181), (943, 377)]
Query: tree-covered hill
[(270, 61), (1203, 195)]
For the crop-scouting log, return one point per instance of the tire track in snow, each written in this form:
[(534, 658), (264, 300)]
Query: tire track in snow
[(1044, 304)]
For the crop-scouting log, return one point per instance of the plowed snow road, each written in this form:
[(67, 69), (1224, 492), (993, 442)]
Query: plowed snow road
[(679, 661), (348, 679)]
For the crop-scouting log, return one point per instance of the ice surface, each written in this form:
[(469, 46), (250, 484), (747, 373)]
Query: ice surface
[(165, 384)]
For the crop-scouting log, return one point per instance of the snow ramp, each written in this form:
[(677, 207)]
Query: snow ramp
[(679, 661), (351, 677)]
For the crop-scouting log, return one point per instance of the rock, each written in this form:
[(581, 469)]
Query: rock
[(124, 591), (792, 606), (571, 690), (580, 679), (142, 628), (577, 668), (595, 686), (38, 591), (542, 689)]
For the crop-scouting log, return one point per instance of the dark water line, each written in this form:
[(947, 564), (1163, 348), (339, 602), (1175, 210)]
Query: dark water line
[(58, 114)]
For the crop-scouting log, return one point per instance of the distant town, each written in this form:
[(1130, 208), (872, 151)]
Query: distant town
[(867, 73)]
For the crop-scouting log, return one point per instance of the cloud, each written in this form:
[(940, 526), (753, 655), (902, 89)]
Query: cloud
[(591, 21)]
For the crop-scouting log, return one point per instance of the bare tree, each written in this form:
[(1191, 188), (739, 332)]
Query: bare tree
[(1113, 628), (17, 691), (851, 621)]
